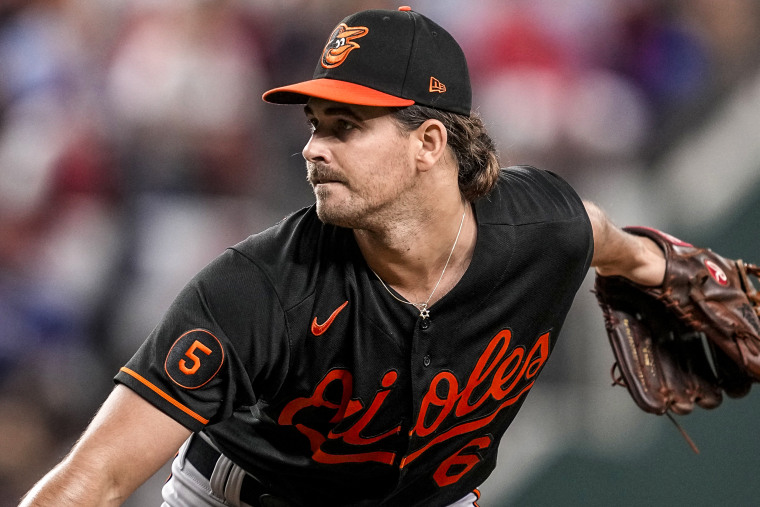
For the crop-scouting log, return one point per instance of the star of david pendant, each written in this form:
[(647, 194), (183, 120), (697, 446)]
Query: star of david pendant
[(424, 312)]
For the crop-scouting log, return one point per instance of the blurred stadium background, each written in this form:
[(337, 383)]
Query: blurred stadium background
[(134, 148)]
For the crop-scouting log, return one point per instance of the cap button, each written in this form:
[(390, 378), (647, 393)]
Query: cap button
[(405, 8)]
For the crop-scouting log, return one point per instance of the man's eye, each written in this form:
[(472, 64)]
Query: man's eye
[(337, 126), (345, 125)]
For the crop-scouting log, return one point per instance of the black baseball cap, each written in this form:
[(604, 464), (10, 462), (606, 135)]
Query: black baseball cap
[(387, 58)]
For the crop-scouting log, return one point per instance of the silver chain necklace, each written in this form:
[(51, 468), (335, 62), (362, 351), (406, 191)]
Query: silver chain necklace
[(423, 307)]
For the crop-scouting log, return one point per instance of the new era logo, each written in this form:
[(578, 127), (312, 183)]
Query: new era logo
[(436, 86)]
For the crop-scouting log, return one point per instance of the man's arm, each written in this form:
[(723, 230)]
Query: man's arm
[(618, 253), (124, 445)]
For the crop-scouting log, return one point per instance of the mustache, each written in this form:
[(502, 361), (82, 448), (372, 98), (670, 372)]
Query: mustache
[(319, 173)]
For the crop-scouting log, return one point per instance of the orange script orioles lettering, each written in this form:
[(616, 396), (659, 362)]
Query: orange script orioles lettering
[(497, 374), (341, 43), (346, 408)]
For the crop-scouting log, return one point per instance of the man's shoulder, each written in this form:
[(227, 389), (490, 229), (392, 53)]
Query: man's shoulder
[(295, 249), (518, 177), (300, 230), (277, 262), (525, 194)]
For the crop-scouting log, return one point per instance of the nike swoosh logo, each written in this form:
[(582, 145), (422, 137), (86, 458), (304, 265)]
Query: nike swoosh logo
[(318, 329)]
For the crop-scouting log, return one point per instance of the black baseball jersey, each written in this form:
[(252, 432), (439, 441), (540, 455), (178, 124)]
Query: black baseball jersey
[(304, 370)]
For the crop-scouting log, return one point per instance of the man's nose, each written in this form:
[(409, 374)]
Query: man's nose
[(316, 150)]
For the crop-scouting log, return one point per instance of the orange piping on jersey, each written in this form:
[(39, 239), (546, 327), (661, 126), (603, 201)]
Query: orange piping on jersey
[(165, 396), (477, 497)]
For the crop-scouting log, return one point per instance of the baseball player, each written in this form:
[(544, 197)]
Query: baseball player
[(373, 348)]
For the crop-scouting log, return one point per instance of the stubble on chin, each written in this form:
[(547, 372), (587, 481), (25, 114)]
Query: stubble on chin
[(323, 210), (328, 211)]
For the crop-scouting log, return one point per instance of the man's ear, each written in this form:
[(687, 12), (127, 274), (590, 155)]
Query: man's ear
[(432, 141)]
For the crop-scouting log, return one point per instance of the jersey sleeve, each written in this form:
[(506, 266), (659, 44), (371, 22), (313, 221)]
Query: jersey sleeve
[(216, 347)]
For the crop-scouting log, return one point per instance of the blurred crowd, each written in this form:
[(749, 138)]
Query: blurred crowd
[(134, 148)]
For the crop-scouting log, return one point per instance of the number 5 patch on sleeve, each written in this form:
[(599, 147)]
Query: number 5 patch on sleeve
[(194, 359)]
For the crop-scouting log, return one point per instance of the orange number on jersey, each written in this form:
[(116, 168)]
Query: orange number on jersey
[(460, 462), (196, 360)]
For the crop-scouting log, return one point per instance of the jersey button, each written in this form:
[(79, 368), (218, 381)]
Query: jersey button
[(425, 323), (426, 361)]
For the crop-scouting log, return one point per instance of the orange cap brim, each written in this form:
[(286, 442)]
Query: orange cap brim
[(335, 90)]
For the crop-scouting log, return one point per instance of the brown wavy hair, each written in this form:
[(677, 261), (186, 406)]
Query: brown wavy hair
[(468, 138)]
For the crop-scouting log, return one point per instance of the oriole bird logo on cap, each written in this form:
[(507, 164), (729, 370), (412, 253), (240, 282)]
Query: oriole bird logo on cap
[(341, 43)]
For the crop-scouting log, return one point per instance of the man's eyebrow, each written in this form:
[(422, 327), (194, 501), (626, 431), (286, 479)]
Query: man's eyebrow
[(335, 111)]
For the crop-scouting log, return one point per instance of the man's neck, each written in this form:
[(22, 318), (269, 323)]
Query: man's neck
[(410, 256)]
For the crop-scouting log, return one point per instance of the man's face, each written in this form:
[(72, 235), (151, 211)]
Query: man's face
[(359, 163)]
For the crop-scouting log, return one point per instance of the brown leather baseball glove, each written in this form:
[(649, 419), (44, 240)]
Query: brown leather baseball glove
[(689, 340)]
